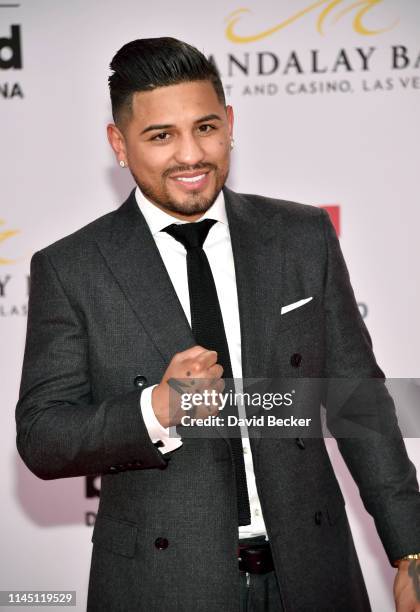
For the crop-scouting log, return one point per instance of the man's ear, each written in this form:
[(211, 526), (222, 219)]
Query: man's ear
[(117, 142), (229, 113)]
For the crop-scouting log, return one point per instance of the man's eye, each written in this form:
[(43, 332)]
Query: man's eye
[(161, 136), (206, 127)]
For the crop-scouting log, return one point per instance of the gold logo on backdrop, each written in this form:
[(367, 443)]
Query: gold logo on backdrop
[(6, 235), (361, 8)]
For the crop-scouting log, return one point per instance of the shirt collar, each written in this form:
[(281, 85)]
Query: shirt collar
[(157, 219)]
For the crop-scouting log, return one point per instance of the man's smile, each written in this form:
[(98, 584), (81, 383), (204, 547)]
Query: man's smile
[(191, 181)]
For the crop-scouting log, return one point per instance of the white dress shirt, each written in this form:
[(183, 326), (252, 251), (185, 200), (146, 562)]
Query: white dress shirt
[(218, 249)]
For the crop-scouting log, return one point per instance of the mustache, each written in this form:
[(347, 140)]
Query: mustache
[(179, 169)]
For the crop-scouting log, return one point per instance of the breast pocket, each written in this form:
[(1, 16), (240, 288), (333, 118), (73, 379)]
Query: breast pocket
[(301, 314)]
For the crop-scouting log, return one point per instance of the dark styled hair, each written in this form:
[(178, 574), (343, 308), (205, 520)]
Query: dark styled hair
[(147, 63)]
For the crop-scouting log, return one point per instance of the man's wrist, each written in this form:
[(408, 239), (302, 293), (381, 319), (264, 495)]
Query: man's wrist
[(153, 425), (156, 401), (410, 557)]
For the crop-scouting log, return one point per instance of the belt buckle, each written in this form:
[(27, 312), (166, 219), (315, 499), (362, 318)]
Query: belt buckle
[(255, 559)]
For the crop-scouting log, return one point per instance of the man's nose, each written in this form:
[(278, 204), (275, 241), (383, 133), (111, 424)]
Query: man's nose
[(189, 150)]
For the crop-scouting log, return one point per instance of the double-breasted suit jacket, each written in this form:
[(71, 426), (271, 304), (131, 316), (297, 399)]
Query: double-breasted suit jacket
[(103, 312)]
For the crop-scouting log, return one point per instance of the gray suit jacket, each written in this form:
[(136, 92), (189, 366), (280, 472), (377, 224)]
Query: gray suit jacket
[(102, 311)]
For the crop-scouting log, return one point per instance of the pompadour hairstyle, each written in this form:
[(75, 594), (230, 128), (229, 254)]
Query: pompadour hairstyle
[(148, 63)]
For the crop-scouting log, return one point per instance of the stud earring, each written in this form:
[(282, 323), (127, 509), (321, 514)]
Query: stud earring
[(122, 163), (232, 143)]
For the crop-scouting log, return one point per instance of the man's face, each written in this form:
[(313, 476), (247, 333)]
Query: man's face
[(177, 146)]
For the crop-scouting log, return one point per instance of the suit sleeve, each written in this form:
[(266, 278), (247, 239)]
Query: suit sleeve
[(370, 440), (60, 432)]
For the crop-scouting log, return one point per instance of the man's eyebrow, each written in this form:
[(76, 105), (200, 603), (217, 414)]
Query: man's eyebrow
[(157, 126), (167, 126), (211, 117)]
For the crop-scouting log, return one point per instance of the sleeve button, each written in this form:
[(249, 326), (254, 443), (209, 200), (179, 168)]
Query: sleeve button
[(161, 543), (140, 381)]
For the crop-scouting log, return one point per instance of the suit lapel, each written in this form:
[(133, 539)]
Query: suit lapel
[(134, 259), (258, 276)]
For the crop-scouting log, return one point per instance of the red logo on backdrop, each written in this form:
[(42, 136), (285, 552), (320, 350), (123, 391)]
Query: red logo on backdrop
[(334, 212)]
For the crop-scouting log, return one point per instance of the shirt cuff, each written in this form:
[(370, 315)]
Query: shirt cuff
[(156, 431)]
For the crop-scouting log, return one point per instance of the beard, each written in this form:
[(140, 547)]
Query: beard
[(192, 203)]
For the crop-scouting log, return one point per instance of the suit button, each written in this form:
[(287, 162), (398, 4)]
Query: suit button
[(140, 381), (300, 443), (161, 543), (296, 360), (318, 517)]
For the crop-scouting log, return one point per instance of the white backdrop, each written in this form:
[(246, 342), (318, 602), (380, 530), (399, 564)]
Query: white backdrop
[(332, 121)]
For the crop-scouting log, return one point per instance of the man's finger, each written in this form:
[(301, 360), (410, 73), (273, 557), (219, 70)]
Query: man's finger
[(215, 371), (207, 359), (193, 352)]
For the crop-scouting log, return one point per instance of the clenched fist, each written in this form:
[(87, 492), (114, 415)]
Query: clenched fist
[(197, 370)]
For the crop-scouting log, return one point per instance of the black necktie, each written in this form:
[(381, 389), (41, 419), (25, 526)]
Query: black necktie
[(208, 330)]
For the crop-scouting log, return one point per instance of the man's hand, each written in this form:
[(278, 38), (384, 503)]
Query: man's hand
[(407, 586), (197, 366)]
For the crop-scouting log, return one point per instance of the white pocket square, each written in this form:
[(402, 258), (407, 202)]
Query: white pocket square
[(290, 307)]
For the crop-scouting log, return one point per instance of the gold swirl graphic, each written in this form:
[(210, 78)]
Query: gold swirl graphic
[(364, 7), (5, 235)]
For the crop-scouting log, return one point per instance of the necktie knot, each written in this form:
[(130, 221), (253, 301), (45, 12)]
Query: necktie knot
[(191, 235)]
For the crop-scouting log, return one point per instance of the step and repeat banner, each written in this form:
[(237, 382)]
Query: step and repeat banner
[(326, 96)]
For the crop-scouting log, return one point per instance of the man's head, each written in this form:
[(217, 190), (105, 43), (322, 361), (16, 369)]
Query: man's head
[(172, 127)]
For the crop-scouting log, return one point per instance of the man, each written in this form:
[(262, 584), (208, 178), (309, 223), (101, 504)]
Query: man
[(191, 281)]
